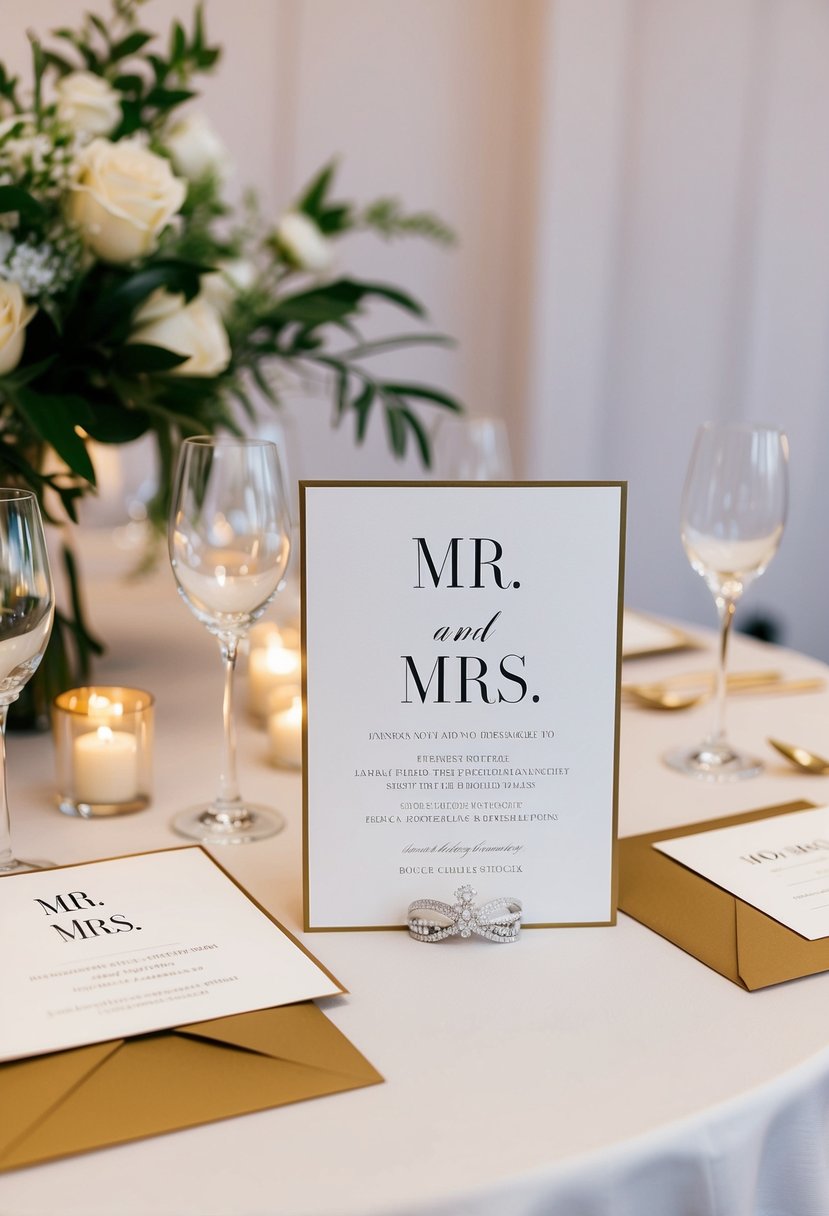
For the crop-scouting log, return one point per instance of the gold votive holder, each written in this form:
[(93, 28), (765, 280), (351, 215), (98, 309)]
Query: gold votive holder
[(284, 723), (103, 750)]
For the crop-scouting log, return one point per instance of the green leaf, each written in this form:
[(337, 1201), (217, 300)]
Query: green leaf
[(129, 82), (395, 296), (367, 349), (312, 200), (362, 406), (419, 432), (54, 419), (334, 301), (57, 61), (396, 429), (342, 392), (423, 393), (334, 220), (15, 198), (117, 424), (198, 28), (167, 99), (178, 41), (100, 26), (25, 373), (130, 45), (131, 118), (143, 357)]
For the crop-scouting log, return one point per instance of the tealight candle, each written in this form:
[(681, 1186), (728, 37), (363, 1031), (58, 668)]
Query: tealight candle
[(270, 667), (106, 766), (285, 734), (103, 739)]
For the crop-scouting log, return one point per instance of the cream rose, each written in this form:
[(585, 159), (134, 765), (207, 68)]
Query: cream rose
[(15, 315), (193, 329), (302, 242), (88, 104), (195, 148), (122, 198)]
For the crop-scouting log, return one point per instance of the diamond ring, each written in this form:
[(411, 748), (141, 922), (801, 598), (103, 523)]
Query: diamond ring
[(498, 920)]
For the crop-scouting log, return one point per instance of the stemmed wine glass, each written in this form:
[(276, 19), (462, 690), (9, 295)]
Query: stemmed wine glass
[(472, 448), (229, 541), (733, 513), (27, 608)]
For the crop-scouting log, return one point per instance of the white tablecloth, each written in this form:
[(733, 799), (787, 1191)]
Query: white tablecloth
[(586, 1072)]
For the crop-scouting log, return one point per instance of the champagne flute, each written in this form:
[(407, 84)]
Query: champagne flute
[(27, 608), (229, 539), (733, 513)]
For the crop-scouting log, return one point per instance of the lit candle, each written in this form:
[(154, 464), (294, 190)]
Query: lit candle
[(285, 734), (270, 668), (106, 767)]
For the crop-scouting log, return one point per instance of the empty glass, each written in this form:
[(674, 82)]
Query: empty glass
[(733, 513), (229, 538)]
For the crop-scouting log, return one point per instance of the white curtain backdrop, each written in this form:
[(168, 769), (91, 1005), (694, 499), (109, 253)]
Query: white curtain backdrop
[(641, 191)]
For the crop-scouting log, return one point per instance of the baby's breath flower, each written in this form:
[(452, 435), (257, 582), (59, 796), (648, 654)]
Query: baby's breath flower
[(42, 269)]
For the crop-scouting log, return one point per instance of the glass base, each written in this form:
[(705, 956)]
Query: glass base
[(16, 865), (95, 810), (714, 762), (237, 824)]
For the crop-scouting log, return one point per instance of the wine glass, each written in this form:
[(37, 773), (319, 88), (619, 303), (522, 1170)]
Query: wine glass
[(472, 448), (27, 608), (733, 513), (229, 539)]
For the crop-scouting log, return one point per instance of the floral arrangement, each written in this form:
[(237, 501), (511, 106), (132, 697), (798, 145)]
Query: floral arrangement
[(133, 300)]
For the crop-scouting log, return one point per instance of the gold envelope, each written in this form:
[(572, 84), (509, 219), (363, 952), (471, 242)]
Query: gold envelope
[(109, 1093), (723, 932)]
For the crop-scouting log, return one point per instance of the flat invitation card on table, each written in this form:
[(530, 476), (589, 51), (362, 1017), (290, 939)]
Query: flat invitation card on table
[(118, 948), (779, 865), (462, 645)]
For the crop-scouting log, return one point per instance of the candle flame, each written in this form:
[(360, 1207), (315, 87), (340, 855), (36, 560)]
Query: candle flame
[(104, 734)]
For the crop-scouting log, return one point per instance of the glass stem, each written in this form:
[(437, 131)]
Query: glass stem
[(5, 823), (725, 611), (228, 785)]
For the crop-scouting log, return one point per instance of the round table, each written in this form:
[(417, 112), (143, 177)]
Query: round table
[(589, 1071)]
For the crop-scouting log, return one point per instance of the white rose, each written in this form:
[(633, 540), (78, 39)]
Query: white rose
[(303, 243), (230, 279), (122, 198), (195, 148), (193, 329), (15, 315), (88, 104)]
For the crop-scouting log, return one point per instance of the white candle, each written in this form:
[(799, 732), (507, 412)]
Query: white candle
[(270, 668), (285, 733), (106, 767)]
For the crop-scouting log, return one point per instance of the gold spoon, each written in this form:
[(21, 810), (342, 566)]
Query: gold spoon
[(801, 758), (668, 698)]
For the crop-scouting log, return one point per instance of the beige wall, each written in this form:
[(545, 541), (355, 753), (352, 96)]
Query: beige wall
[(641, 188)]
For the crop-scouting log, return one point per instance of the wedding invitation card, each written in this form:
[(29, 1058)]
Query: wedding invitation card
[(462, 645), (779, 865), (118, 948)]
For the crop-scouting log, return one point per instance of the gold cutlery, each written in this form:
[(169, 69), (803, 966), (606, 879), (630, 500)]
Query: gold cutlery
[(659, 697), (800, 757)]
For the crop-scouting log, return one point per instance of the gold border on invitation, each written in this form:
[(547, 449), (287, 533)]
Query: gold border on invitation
[(622, 487)]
